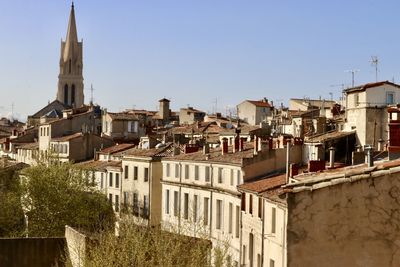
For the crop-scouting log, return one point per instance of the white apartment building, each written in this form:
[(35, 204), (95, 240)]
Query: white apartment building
[(200, 196)]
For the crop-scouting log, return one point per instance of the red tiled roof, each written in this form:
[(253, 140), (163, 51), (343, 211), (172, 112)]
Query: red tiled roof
[(264, 184), (259, 103), (363, 87), (116, 148), (98, 165), (67, 137)]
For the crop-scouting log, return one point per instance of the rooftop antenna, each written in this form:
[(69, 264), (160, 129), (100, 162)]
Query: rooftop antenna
[(215, 105), (331, 94), (354, 71), (12, 111), (91, 90), (374, 62)]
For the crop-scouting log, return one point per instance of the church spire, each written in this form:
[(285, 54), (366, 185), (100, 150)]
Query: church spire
[(72, 35)]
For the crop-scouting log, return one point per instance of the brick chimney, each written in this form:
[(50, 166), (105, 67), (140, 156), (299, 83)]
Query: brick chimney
[(224, 146)]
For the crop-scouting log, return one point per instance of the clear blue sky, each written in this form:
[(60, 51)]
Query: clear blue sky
[(136, 52)]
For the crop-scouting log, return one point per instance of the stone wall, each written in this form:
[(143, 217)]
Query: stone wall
[(32, 252), (347, 224)]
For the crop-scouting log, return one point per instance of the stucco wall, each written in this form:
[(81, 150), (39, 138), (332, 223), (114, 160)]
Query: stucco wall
[(349, 224)]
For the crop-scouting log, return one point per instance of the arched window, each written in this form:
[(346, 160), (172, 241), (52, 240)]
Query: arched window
[(69, 66), (66, 94), (73, 94)]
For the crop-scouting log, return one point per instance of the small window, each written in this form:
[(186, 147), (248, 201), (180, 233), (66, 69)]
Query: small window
[(238, 178), (219, 214), (205, 210), (207, 174), (260, 206), (125, 199), (273, 221), (232, 177), (250, 203), (176, 203), (244, 202), (186, 206), (135, 204), (101, 180), (126, 168), (271, 263), (390, 98), (168, 171), (237, 221), (196, 172), (135, 173), (230, 217), (111, 179), (167, 201), (195, 207), (186, 171), (220, 178), (146, 174), (176, 170), (117, 180), (145, 207), (110, 196)]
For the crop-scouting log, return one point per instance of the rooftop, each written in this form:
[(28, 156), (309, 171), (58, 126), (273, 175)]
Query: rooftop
[(116, 148), (98, 165), (264, 184), (122, 116), (148, 153), (363, 87), (260, 103), (325, 137), (67, 137)]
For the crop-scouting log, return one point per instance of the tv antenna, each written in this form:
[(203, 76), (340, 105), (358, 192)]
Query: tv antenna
[(353, 72), (374, 62)]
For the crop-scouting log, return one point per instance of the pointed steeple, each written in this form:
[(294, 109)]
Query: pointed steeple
[(72, 35)]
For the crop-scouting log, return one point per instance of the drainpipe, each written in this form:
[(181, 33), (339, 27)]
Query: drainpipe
[(284, 241), (287, 162), (211, 205), (179, 196), (150, 193)]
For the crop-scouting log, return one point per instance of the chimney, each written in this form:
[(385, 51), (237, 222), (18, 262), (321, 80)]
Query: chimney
[(206, 149), (255, 142), (381, 145), (370, 156), (224, 146), (241, 143)]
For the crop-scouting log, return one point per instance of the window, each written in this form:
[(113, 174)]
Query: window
[(205, 210), (146, 174), (186, 206), (250, 203), (176, 204), (145, 207), (196, 172), (258, 260), (117, 180), (186, 171), (271, 263), (244, 202), (167, 201), (220, 176), (168, 170), (111, 179), (176, 170), (101, 180), (132, 126), (135, 203), (110, 198), (238, 178), (230, 218), (356, 100), (116, 203), (195, 200), (126, 171), (390, 98), (260, 204), (73, 94), (207, 174), (135, 173), (232, 177), (273, 221), (244, 254), (125, 198), (219, 214), (237, 221)]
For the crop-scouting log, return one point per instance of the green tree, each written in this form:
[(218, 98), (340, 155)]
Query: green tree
[(59, 194), (11, 214)]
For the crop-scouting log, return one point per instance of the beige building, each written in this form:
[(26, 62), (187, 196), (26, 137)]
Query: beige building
[(141, 187), (254, 112), (70, 79), (264, 219), (200, 196), (190, 115), (366, 111), (122, 127), (324, 106)]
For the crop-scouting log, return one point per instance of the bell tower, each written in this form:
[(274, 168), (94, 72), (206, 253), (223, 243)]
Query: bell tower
[(70, 79)]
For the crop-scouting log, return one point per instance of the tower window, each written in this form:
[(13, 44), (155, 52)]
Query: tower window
[(73, 94), (66, 94), (69, 66)]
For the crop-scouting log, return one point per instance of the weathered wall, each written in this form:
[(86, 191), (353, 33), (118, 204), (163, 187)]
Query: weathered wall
[(76, 244), (348, 224), (32, 252)]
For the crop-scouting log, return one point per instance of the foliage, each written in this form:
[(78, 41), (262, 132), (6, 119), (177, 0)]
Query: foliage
[(11, 214), (59, 194)]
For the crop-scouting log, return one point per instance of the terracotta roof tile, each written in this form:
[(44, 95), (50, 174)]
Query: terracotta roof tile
[(259, 103), (116, 148), (264, 184)]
